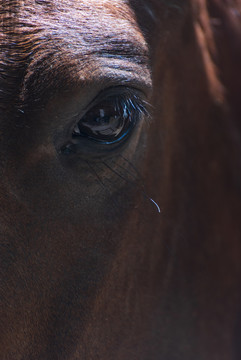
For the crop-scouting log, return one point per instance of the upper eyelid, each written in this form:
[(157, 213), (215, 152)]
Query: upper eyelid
[(111, 92), (138, 77)]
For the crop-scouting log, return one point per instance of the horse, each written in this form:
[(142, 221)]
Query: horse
[(120, 242)]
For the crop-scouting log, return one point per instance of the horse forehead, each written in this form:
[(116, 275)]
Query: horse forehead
[(99, 18), (80, 37), (84, 26)]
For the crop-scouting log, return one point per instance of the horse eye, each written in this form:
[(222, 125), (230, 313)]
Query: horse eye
[(108, 122)]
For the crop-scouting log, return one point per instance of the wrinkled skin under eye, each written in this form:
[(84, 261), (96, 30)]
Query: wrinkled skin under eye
[(109, 121)]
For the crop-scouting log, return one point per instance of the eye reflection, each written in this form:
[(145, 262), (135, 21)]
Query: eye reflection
[(106, 122)]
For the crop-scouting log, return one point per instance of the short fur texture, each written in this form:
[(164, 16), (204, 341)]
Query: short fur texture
[(89, 269)]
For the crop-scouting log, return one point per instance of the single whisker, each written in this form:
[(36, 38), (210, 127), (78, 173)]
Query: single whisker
[(133, 184), (157, 206)]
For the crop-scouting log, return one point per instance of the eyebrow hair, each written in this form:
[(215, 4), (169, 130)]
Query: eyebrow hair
[(41, 57)]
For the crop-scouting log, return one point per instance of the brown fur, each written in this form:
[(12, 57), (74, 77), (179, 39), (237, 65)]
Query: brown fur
[(89, 269)]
